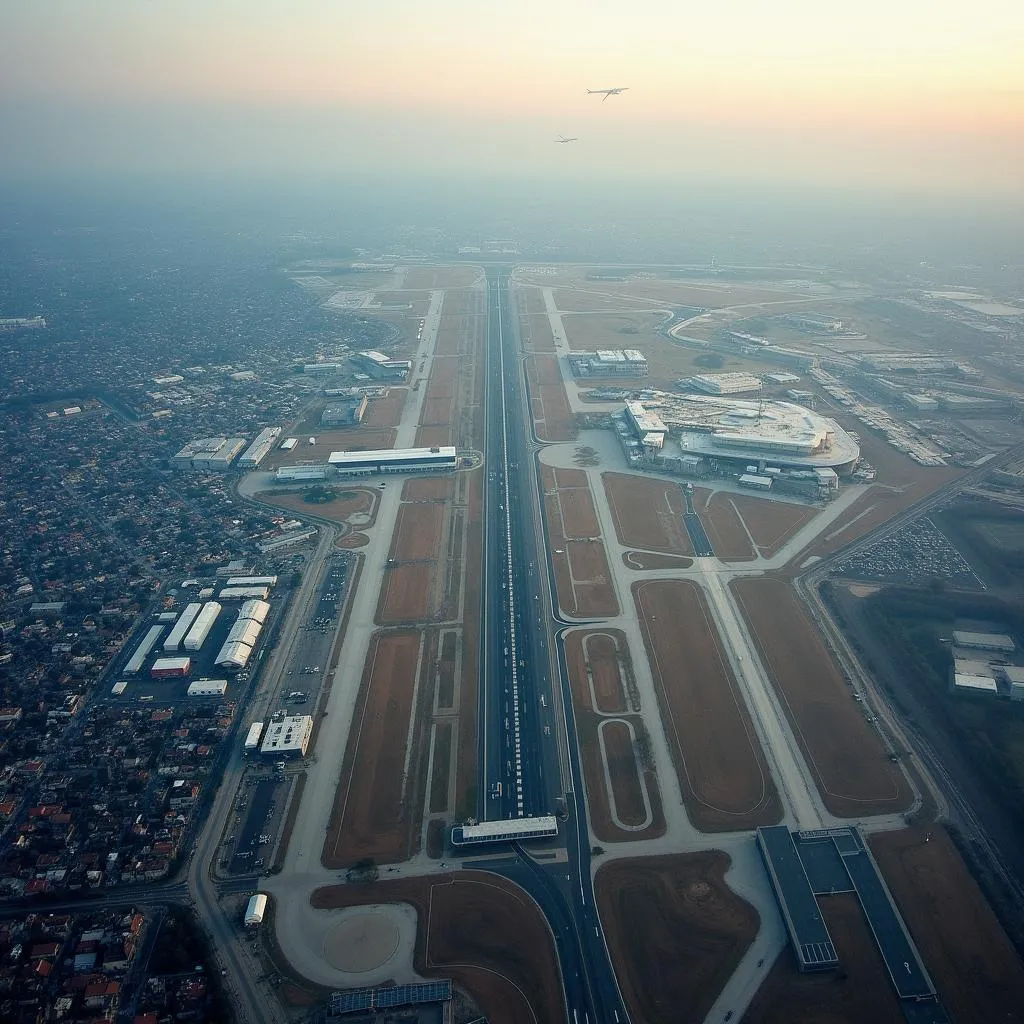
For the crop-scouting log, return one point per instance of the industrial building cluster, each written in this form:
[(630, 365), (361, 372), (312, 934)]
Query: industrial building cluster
[(216, 454), (371, 363), (191, 627), (609, 363), (766, 443), (982, 664)]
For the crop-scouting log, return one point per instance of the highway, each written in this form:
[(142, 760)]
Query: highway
[(520, 728)]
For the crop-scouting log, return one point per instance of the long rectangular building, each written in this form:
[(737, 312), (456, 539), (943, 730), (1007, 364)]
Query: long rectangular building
[(260, 448), (200, 630), (136, 661), (182, 626), (394, 460)]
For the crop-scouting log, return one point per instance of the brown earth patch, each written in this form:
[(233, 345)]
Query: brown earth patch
[(648, 560), (976, 970), (584, 301), (387, 410), (860, 991), (771, 523), (418, 532), (722, 771), (579, 517), (434, 437), (602, 654), (350, 501), (553, 417), (847, 757), (510, 971), (535, 331), (723, 525), (563, 478), (372, 816), (353, 540), (436, 412), (440, 772), (675, 931), (440, 277), (587, 723), (428, 488), (594, 592), (356, 439), (443, 382), (407, 593), (648, 513), (627, 792), (529, 300)]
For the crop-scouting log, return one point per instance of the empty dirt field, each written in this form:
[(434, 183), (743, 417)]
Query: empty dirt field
[(510, 971), (444, 374), (723, 525), (591, 579), (418, 532), (434, 437), (376, 811), (386, 411), (553, 417), (771, 523), (648, 513), (428, 488), (582, 576), (437, 412), (722, 772), (584, 300), (407, 594), (576, 509), (441, 277), (616, 740), (348, 503), (860, 991), (846, 755), (648, 560), (975, 968), (535, 332), (675, 931)]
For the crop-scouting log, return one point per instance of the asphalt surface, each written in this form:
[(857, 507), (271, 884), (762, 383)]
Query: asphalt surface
[(695, 528), (519, 746)]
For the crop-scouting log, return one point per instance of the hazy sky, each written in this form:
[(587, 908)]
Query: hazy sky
[(928, 93)]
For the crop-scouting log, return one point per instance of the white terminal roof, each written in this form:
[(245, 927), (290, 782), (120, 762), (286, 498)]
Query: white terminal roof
[(742, 428), (393, 455), (182, 626), (165, 664), (207, 688), (509, 827)]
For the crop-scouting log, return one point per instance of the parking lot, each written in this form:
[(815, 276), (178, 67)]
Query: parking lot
[(258, 815)]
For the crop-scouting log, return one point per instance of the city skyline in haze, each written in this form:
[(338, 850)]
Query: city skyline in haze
[(925, 96)]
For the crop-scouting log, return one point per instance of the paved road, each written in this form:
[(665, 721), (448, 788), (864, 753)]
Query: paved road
[(518, 603)]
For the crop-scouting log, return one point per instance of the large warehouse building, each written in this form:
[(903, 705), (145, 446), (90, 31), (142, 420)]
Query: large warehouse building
[(747, 432), (615, 362), (394, 460), (287, 737)]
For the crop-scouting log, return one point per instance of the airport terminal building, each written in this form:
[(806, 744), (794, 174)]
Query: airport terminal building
[(749, 435)]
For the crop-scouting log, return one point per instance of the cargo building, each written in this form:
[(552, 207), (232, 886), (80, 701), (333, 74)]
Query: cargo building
[(171, 668), (136, 661), (200, 630), (182, 626)]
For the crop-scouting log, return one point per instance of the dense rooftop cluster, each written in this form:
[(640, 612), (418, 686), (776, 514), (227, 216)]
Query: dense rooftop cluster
[(106, 799)]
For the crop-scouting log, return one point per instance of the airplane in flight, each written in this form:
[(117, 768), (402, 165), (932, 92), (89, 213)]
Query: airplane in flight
[(607, 92), (562, 139)]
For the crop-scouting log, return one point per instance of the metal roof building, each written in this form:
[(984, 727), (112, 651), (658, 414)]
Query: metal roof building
[(506, 830), (136, 661), (196, 636), (288, 736), (251, 581), (182, 626), (259, 449), (207, 688), (984, 641), (244, 593), (396, 460)]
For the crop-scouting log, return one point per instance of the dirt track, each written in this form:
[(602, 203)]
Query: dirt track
[(553, 417), (771, 523), (596, 650), (973, 964), (627, 792), (675, 933), (722, 771), (646, 560), (723, 525), (846, 756), (511, 971)]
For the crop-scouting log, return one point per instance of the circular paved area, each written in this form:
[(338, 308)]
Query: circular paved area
[(361, 942)]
